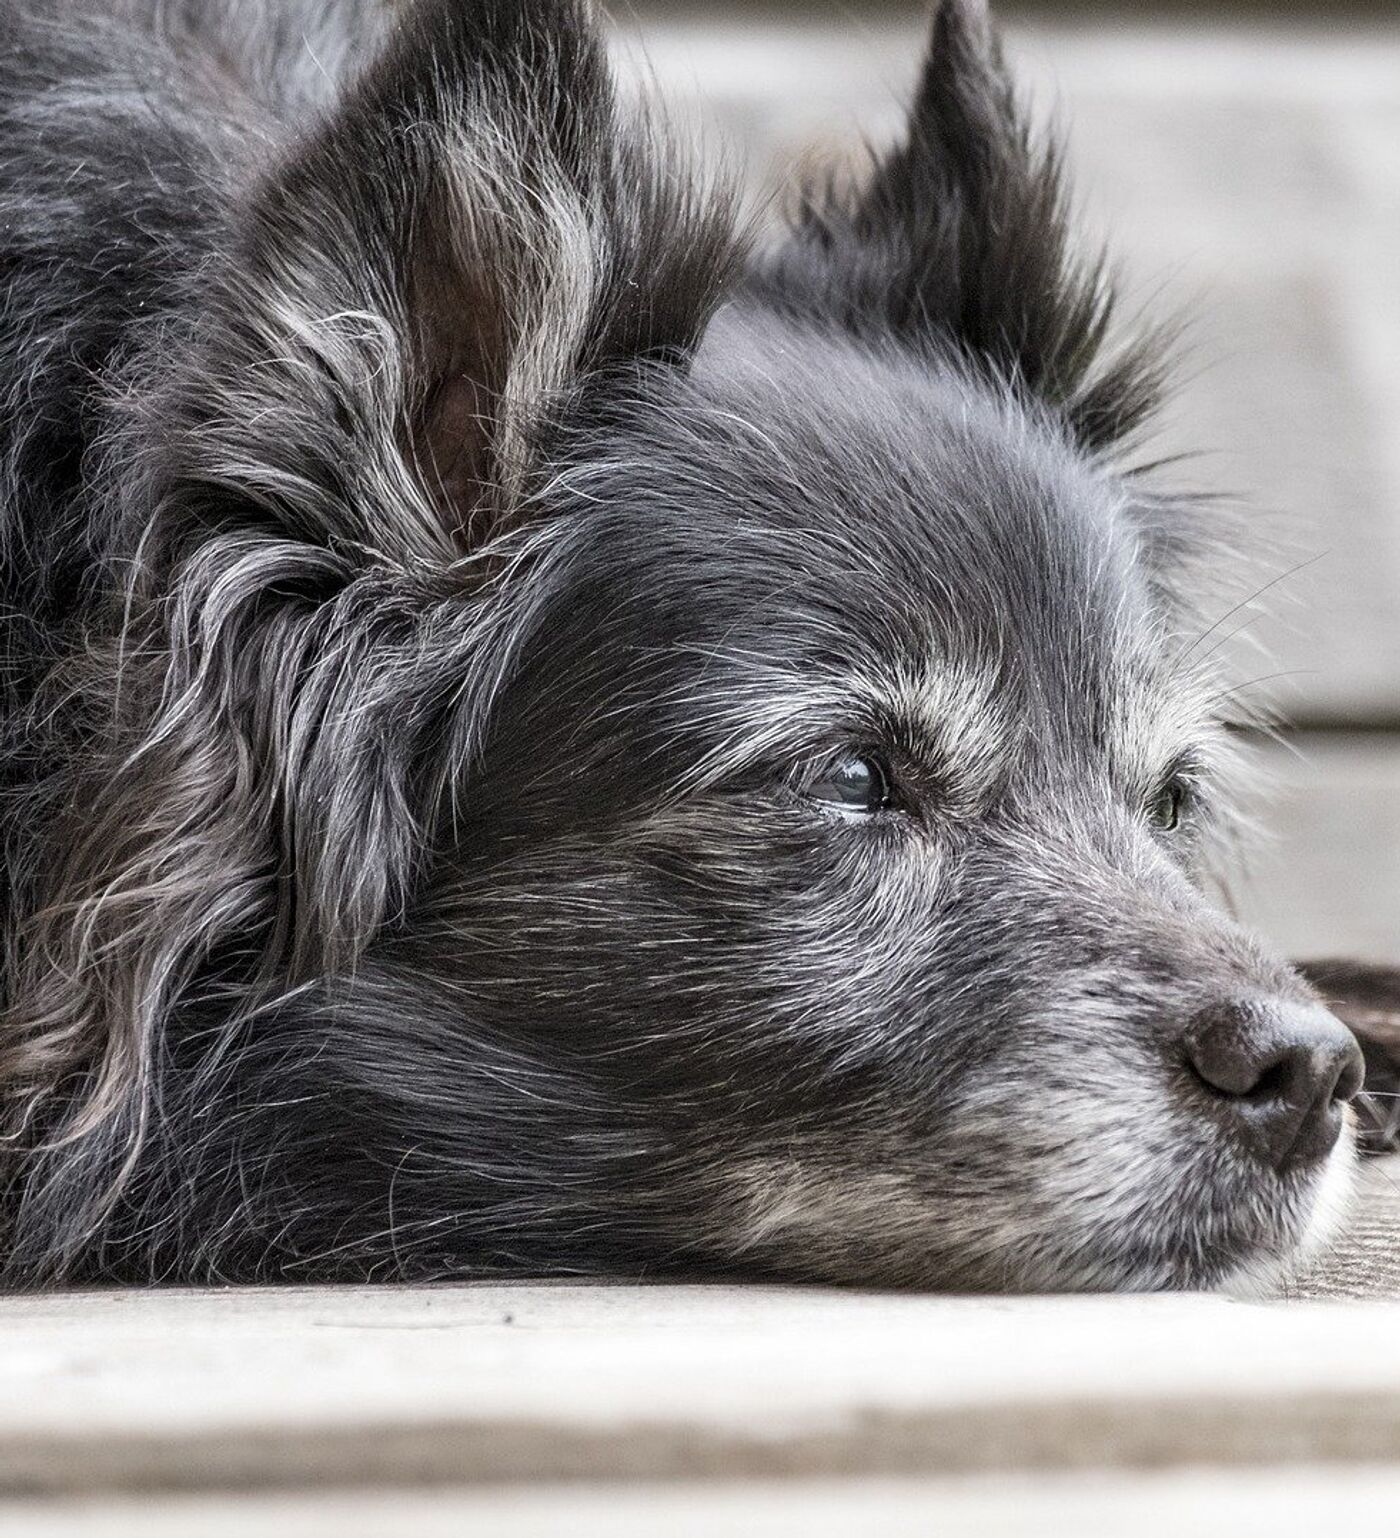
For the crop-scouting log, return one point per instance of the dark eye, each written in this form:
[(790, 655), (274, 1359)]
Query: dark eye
[(1169, 805), (860, 784)]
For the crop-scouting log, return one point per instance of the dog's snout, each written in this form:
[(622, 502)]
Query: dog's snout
[(1282, 1072)]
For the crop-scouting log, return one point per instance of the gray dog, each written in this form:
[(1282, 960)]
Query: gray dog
[(542, 737)]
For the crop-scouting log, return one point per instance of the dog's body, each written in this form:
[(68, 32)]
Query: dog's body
[(538, 739)]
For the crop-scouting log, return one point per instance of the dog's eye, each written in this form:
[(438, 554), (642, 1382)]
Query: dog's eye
[(1169, 804), (859, 784)]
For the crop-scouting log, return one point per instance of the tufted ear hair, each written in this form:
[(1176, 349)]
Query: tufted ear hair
[(428, 280), (958, 243), (357, 411), (468, 236)]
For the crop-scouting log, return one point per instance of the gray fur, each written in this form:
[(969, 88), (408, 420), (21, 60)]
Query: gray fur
[(440, 562)]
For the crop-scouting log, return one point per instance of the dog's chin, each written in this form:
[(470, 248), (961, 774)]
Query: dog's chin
[(1244, 1235), (1310, 1222), (1192, 1215), (1240, 1230)]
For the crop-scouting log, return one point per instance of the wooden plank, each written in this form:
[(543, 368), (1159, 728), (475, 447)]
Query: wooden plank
[(496, 1383), (1321, 877), (1284, 1503)]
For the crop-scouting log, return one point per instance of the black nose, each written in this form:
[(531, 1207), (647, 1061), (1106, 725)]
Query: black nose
[(1282, 1071)]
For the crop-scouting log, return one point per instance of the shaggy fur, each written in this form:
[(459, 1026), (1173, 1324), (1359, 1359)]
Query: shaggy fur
[(443, 568)]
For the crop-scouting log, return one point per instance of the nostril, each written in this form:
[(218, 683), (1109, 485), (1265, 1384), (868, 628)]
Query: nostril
[(1282, 1070), (1230, 1055), (1351, 1073), (1275, 1081)]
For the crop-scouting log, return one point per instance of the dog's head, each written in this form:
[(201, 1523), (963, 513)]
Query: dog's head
[(717, 755)]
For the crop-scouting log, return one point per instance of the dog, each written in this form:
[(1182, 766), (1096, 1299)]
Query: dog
[(545, 733)]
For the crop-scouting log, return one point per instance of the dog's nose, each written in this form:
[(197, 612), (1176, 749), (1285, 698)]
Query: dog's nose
[(1283, 1070)]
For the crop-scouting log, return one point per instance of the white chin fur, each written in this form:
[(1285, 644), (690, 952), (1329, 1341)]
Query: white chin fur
[(1332, 1198), (1332, 1194)]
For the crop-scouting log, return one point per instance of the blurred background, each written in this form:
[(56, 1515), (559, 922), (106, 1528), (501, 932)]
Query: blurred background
[(1243, 160)]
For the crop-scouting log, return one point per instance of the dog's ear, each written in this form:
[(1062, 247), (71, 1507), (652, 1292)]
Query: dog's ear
[(474, 235), (958, 243), (345, 421), (1366, 997), (470, 234)]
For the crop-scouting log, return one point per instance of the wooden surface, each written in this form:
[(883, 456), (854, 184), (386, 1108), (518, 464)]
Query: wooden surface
[(544, 1408), (505, 1384), (1320, 876), (1271, 1503)]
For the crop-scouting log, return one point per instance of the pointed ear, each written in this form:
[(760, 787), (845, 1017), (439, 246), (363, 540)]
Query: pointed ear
[(1366, 997), (370, 363), (470, 234), (958, 243)]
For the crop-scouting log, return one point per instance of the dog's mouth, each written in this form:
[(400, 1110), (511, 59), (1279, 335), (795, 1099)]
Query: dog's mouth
[(1334, 1189), (1220, 1211), (1244, 1236), (1213, 1219), (1306, 1227), (1129, 1170)]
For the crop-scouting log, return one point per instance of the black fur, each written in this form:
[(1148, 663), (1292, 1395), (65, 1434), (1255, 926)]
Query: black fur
[(441, 568)]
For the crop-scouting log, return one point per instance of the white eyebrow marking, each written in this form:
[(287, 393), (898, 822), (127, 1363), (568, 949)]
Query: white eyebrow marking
[(955, 714)]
